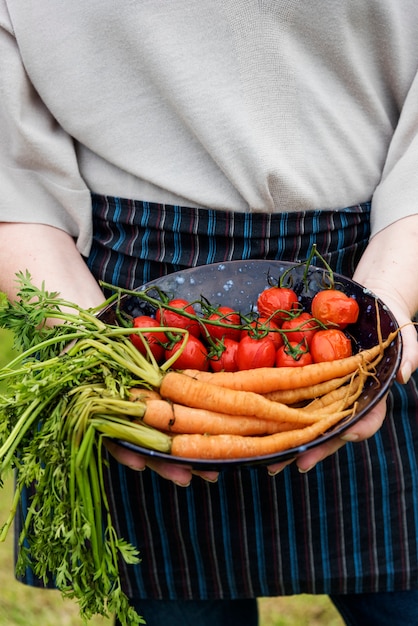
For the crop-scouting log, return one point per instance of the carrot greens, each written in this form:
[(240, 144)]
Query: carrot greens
[(66, 390)]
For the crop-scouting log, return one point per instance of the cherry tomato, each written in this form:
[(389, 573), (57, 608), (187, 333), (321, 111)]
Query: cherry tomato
[(330, 344), (300, 328), (226, 360), (276, 302), (176, 319), (334, 308), (253, 353), (226, 316), (293, 354), (264, 327), (194, 355), (154, 340)]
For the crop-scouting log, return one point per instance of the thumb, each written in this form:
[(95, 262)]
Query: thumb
[(409, 361)]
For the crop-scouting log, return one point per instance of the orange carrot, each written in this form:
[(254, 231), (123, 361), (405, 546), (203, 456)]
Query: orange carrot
[(183, 389), (158, 414), (265, 379), (176, 418), (224, 415), (236, 446), (141, 394), (346, 394), (293, 396)]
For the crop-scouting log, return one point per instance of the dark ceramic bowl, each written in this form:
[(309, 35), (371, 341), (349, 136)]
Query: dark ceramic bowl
[(237, 284)]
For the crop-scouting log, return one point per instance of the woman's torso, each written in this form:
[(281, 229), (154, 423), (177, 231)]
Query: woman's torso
[(244, 106)]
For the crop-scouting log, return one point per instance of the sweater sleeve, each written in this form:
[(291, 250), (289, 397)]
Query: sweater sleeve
[(40, 179), (396, 195)]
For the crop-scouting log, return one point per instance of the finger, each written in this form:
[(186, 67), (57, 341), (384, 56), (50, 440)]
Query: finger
[(367, 426), (209, 476), (307, 461), (125, 456), (363, 429), (276, 468), (409, 353), (181, 475)]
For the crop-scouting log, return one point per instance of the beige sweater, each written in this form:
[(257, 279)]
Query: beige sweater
[(243, 105)]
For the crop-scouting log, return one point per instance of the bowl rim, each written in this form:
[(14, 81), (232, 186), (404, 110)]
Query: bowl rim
[(222, 464)]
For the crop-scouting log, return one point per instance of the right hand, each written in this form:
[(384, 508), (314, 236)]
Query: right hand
[(181, 475)]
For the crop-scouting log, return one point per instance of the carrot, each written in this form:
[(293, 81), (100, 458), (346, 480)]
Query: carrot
[(211, 417), (182, 389), (158, 414), (236, 446), (176, 418), (347, 393), (141, 394), (342, 406), (293, 396), (266, 379)]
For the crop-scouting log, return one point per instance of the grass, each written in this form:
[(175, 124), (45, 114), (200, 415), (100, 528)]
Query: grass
[(21, 605)]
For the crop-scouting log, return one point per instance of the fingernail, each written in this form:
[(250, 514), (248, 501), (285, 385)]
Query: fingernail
[(301, 470), (136, 469), (209, 477), (279, 467), (181, 484), (406, 372), (349, 437)]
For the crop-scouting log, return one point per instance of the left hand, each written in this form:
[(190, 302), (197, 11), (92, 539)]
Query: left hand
[(363, 429), (371, 423)]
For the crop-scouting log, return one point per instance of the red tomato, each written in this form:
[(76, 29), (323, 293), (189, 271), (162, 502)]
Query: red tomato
[(254, 353), (264, 327), (226, 316), (276, 302), (330, 344), (300, 328), (226, 360), (194, 355), (176, 319), (334, 308), (293, 355), (154, 340)]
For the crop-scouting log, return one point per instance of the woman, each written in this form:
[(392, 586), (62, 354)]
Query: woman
[(159, 136)]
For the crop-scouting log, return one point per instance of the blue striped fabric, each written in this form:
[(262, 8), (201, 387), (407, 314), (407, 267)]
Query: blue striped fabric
[(350, 525), (142, 240)]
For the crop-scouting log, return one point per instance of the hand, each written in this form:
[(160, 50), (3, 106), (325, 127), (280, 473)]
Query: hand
[(181, 475), (370, 424), (363, 429)]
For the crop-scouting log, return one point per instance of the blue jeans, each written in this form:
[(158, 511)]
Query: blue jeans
[(374, 609), (197, 612), (399, 608)]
